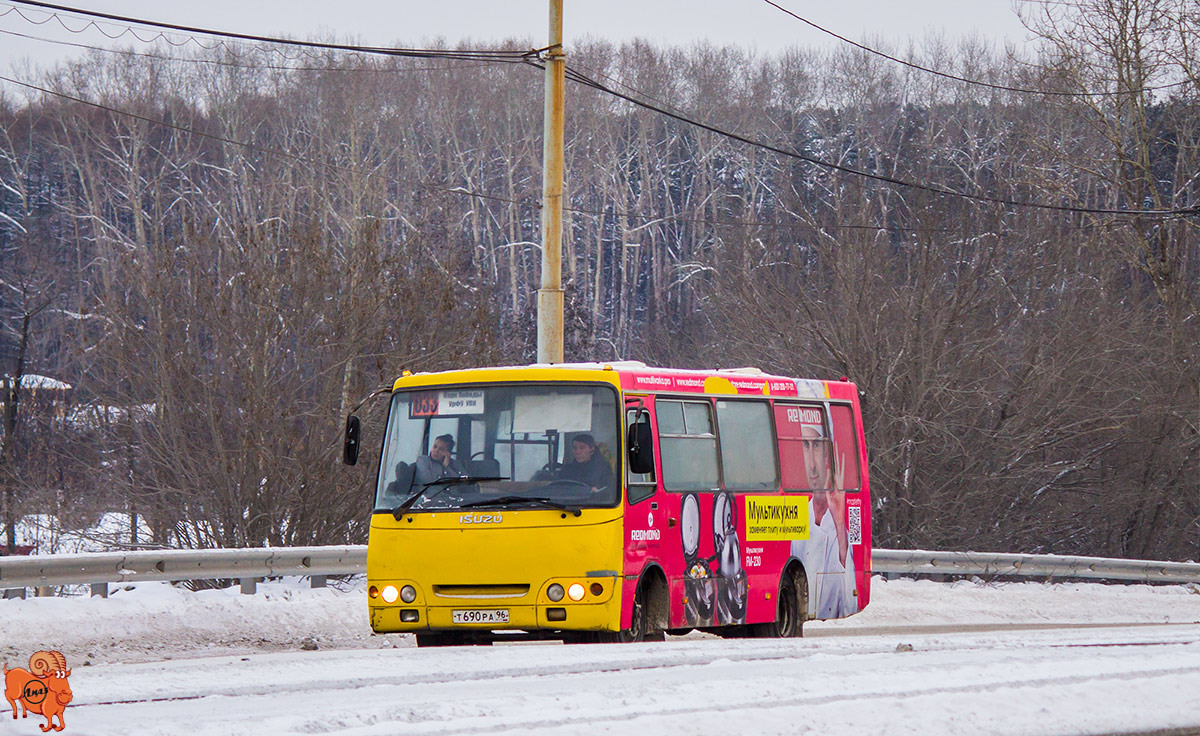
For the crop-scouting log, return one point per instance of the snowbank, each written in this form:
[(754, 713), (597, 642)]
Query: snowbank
[(978, 603), (153, 621)]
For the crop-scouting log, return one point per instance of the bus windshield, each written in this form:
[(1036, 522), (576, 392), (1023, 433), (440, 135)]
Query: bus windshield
[(517, 445)]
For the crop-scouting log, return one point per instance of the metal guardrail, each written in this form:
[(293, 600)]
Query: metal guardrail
[(245, 565), (919, 562), (249, 565)]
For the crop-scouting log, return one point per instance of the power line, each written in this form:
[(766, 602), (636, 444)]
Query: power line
[(956, 78), (642, 218), (235, 65), (580, 78), (497, 55), (128, 30), (644, 95)]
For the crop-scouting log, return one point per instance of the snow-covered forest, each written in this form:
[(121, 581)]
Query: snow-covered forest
[(221, 251)]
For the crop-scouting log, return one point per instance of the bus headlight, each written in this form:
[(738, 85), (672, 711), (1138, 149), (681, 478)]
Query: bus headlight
[(575, 591), (390, 594), (408, 594), (555, 592)]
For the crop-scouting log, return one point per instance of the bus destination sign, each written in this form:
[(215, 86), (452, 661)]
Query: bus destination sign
[(446, 403)]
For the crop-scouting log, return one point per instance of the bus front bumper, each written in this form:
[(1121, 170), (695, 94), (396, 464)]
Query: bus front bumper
[(565, 617)]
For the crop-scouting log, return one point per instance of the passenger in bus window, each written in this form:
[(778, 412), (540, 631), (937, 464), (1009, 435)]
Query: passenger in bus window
[(439, 463), (589, 466), (826, 554)]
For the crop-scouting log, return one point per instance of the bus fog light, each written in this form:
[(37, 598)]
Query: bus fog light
[(409, 616), (555, 592), (390, 594), (556, 614), (408, 594), (575, 591)]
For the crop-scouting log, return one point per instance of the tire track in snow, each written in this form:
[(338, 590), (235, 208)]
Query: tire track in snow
[(697, 711), (618, 665), (651, 660)]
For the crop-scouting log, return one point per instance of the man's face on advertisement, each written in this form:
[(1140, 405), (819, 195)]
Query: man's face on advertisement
[(816, 459)]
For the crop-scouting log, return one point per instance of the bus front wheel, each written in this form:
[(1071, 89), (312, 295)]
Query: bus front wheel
[(641, 625)]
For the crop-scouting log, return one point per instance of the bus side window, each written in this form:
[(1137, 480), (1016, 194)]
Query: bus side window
[(801, 432), (747, 447), (641, 485), (688, 445), (845, 445)]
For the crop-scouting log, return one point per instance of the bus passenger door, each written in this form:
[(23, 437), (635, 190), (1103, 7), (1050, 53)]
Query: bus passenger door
[(645, 517)]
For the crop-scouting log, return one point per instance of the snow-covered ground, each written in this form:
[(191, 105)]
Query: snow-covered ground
[(167, 661), (1089, 681), (151, 621)]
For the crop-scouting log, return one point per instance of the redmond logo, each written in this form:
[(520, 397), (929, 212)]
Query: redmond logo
[(803, 416), (481, 519)]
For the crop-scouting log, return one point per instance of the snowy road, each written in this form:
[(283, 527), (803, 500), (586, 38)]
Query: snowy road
[(1094, 680), (985, 658)]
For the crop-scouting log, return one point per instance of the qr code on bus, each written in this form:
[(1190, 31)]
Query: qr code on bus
[(854, 524)]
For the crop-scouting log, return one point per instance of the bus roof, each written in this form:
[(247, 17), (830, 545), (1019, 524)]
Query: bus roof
[(636, 376)]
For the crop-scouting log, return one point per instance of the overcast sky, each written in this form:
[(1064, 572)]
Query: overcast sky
[(747, 23)]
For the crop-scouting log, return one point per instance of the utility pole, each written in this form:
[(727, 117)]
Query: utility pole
[(550, 296)]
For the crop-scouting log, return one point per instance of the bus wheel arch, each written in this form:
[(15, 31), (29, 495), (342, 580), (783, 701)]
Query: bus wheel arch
[(791, 608), (651, 609), (657, 600), (795, 574)]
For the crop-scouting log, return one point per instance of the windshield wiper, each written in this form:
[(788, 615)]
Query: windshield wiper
[(451, 480), (505, 500)]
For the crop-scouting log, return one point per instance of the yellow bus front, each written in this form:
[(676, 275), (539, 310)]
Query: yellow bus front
[(498, 506)]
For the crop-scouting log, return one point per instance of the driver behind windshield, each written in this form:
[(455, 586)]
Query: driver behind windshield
[(438, 463), (590, 468)]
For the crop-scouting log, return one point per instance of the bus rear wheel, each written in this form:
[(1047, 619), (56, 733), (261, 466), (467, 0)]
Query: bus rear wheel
[(789, 613)]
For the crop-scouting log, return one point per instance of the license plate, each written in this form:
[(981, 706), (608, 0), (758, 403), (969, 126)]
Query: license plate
[(492, 616)]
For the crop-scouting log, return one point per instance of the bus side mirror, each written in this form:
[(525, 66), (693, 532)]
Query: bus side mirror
[(641, 447), (353, 435)]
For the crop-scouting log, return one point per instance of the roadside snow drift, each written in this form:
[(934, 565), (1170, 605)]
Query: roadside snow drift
[(153, 621)]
